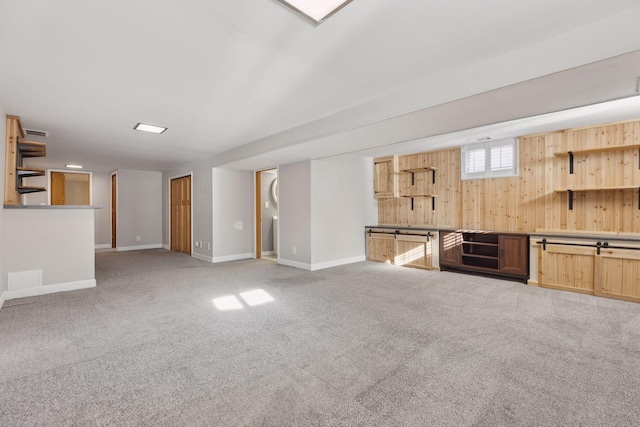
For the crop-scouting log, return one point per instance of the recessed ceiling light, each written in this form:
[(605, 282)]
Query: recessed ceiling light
[(74, 166), (316, 10), (149, 128)]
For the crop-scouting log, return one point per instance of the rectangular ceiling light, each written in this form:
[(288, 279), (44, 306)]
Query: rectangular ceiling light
[(74, 166), (316, 10), (149, 128)]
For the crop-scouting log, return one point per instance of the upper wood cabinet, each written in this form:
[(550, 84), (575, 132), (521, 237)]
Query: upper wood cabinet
[(385, 180)]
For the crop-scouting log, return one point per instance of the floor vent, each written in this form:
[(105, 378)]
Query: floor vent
[(33, 132)]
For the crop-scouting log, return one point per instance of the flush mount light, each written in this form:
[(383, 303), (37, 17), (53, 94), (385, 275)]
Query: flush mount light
[(74, 166), (149, 128), (316, 10)]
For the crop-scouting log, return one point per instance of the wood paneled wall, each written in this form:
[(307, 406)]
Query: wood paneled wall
[(529, 201)]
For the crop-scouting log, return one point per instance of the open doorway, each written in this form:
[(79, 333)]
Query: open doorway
[(114, 215), (69, 188), (267, 214)]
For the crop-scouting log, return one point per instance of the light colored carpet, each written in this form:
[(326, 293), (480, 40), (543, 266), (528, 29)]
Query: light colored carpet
[(365, 344)]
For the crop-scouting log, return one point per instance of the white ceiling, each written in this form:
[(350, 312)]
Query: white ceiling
[(251, 84)]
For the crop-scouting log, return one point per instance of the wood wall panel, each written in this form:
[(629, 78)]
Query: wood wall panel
[(528, 202)]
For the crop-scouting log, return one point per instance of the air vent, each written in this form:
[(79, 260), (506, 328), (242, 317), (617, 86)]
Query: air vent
[(33, 132)]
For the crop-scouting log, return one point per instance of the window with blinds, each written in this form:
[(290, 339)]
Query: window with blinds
[(490, 159)]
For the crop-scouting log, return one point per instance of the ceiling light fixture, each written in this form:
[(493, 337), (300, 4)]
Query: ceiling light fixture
[(149, 128), (316, 10), (74, 166)]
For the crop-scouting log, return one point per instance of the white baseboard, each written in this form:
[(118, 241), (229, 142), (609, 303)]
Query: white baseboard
[(167, 247), (104, 246), (3, 297), (231, 257), (268, 252), (202, 257), (336, 263), (137, 248), (296, 264), (49, 289)]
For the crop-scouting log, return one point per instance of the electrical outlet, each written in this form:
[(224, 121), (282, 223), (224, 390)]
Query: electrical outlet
[(137, 238), (293, 249), (208, 245), (197, 244), (266, 205)]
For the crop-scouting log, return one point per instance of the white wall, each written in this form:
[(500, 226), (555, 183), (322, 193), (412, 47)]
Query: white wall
[(201, 206), (232, 214), (58, 242), (102, 197), (341, 205), (3, 274), (294, 214), (139, 208)]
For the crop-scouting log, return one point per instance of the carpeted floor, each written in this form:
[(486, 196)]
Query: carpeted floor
[(365, 344)]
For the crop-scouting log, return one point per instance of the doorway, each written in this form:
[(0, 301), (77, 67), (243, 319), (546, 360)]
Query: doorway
[(181, 214), (267, 214), (114, 182)]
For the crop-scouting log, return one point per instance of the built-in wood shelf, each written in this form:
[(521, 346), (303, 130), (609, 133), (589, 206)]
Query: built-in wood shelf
[(423, 196), (29, 172), (23, 189), (414, 171), (32, 148), (615, 187), (597, 150)]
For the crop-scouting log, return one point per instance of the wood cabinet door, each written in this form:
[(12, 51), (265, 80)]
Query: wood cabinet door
[(384, 177), (513, 254), (413, 251), (450, 242), (617, 274), (381, 247), (569, 268)]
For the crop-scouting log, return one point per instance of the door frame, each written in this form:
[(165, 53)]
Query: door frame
[(169, 179), (257, 211), (113, 232)]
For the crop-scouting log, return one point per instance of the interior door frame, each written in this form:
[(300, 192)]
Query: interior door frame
[(171, 178), (257, 211), (113, 176)]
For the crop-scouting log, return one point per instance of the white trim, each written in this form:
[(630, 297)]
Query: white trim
[(202, 257), (268, 252), (135, 248), (295, 264), (50, 289), (338, 262), (231, 257), (167, 247), (104, 246), (3, 297)]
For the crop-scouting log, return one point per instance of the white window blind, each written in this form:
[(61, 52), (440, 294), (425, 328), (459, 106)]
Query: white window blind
[(490, 159)]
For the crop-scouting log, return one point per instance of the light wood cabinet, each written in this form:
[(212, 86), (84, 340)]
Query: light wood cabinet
[(568, 268), (413, 251), (385, 179), (381, 247), (595, 268), (404, 248)]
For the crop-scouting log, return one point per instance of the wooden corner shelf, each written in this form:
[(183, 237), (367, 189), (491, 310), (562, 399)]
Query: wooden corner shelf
[(29, 172), (17, 149), (24, 189)]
